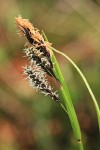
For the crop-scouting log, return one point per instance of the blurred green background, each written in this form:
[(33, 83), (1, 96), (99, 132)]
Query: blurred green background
[(29, 120)]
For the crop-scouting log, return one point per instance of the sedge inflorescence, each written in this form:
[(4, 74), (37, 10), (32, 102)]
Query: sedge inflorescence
[(39, 56)]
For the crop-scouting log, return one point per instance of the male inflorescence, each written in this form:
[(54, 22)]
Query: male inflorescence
[(38, 52)]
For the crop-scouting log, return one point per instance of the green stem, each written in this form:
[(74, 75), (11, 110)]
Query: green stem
[(68, 102)]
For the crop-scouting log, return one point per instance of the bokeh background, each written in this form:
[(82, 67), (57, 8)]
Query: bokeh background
[(29, 120)]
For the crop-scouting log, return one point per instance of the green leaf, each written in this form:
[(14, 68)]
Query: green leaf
[(86, 83)]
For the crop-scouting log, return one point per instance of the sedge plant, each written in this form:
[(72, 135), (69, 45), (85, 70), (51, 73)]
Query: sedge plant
[(42, 62)]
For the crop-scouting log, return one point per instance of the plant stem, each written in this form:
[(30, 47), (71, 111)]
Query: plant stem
[(67, 100)]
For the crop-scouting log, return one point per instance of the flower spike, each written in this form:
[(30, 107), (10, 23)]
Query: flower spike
[(38, 81), (39, 57), (36, 57)]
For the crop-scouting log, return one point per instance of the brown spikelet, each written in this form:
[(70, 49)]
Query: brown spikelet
[(34, 37), (23, 23), (26, 29)]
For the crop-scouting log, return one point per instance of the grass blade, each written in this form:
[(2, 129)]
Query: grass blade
[(86, 83)]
